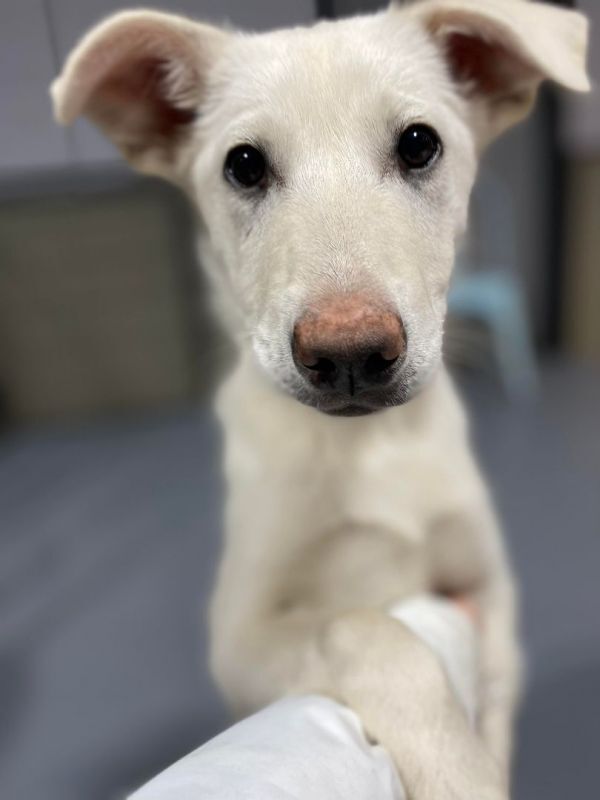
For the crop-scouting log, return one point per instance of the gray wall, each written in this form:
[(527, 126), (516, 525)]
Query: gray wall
[(36, 36)]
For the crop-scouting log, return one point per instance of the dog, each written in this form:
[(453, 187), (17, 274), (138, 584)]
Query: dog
[(331, 168)]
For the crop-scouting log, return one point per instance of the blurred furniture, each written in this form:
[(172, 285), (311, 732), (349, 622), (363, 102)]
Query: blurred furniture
[(485, 288), (581, 299), (494, 298), (97, 299)]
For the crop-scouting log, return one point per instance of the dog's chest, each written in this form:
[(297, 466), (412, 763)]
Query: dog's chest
[(319, 477), (347, 510), (294, 470), (397, 483), (388, 526)]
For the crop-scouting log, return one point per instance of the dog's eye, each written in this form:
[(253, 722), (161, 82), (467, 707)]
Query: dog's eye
[(245, 166), (418, 146)]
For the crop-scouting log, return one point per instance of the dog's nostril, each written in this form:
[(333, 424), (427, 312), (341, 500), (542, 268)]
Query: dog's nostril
[(376, 364), (323, 365)]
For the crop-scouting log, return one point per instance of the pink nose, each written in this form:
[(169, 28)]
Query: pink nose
[(349, 341)]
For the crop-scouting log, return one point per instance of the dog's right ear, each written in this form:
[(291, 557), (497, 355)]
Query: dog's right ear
[(140, 77)]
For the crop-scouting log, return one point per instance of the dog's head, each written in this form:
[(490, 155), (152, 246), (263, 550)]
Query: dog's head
[(331, 167)]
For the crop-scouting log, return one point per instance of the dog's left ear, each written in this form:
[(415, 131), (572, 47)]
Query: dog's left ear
[(499, 51)]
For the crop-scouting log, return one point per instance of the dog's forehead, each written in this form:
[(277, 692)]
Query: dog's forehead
[(358, 69)]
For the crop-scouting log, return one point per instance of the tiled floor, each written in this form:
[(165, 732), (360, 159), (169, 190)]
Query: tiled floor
[(108, 537)]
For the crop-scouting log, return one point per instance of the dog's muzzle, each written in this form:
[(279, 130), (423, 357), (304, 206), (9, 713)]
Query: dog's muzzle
[(350, 351)]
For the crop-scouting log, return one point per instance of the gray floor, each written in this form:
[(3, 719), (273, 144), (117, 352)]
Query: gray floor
[(108, 537)]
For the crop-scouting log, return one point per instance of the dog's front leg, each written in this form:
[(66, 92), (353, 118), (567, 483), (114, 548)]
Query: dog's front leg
[(389, 677), (382, 670), (469, 557), (500, 649), (501, 668)]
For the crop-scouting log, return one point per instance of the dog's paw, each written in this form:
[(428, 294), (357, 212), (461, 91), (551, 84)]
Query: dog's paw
[(373, 659)]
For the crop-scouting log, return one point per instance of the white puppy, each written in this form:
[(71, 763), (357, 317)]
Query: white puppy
[(331, 167)]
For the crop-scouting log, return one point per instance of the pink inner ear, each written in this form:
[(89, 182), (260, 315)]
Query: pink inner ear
[(137, 91), (488, 67)]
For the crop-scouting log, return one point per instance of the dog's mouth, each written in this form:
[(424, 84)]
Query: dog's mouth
[(371, 402), (353, 410)]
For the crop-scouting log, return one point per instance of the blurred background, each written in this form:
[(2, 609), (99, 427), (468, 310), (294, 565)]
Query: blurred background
[(110, 487)]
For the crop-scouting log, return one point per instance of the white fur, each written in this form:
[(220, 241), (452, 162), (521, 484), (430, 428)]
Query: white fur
[(331, 520)]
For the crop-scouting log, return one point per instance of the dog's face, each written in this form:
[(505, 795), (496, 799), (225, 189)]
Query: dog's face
[(331, 167), (333, 179)]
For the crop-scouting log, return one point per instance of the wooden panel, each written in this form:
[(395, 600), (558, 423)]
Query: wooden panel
[(29, 136), (582, 262), (71, 18)]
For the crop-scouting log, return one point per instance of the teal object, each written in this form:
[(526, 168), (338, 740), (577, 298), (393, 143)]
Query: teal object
[(486, 289)]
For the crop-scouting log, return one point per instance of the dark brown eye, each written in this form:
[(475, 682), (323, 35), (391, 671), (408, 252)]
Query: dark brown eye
[(418, 146), (245, 166)]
